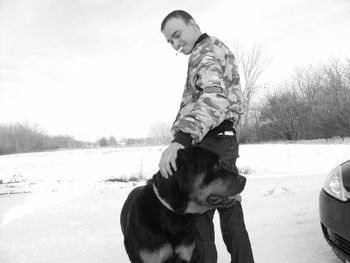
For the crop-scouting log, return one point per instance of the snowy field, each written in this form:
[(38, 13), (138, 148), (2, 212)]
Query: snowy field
[(64, 207)]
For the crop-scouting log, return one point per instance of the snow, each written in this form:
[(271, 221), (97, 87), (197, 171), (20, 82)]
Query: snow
[(62, 209)]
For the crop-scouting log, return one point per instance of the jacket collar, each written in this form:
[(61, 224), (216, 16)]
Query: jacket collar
[(200, 39)]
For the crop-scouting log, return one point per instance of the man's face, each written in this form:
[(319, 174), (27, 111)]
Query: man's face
[(181, 35)]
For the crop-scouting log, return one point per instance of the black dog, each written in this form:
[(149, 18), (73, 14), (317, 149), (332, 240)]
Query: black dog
[(157, 219)]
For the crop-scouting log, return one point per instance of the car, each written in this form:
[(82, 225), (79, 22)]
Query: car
[(334, 208)]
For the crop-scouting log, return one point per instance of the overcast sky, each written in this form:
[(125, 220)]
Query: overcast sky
[(93, 68)]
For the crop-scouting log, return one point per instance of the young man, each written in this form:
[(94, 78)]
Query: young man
[(209, 113)]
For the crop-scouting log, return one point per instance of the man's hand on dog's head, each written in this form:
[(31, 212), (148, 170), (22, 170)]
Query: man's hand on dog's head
[(167, 162)]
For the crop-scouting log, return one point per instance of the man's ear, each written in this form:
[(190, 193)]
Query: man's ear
[(193, 23)]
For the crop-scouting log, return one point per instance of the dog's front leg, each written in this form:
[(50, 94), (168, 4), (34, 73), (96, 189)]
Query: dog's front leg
[(185, 251)]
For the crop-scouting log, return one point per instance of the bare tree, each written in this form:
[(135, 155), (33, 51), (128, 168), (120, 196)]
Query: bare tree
[(252, 63), (160, 132), (27, 137), (284, 111), (112, 141), (336, 100), (315, 104)]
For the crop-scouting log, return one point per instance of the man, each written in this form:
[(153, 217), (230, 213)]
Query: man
[(209, 113)]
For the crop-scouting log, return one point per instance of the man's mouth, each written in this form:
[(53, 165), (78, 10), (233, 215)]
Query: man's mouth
[(179, 51)]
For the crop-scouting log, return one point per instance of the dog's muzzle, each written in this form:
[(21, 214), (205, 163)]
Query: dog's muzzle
[(223, 201)]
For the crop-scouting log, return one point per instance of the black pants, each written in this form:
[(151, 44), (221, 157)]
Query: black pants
[(232, 225)]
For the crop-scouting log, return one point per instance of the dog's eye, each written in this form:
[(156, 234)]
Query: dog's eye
[(216, 167)]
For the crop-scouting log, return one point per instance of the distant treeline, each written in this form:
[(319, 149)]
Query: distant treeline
[(148, 141), (314, 104), (22, 138)]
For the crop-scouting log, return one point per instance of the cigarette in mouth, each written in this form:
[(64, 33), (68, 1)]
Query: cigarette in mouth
[(179, 51)]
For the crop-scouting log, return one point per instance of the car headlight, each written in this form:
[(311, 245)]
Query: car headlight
[(334, 184)]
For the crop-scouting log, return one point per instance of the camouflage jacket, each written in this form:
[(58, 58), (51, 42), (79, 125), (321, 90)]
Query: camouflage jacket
[(212, 91)]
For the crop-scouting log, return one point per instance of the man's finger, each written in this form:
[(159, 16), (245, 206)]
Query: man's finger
[(163, 172), (168, 168), (167, 164), (173, 164), (162, 168)]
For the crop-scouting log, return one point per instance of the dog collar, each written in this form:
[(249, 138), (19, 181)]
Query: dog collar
[(161, 199)]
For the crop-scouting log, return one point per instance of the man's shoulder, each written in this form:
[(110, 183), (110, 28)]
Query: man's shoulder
[(211, 47), (208, 45)]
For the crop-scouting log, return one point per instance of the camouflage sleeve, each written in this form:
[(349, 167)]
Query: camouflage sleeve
[(212, 105)]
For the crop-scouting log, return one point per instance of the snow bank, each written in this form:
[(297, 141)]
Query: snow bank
[(68, 212)]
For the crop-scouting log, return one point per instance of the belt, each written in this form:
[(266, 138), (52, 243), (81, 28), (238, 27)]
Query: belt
[(228, 133)]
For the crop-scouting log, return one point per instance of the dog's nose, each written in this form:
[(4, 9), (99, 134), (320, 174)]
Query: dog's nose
[(241, 179)]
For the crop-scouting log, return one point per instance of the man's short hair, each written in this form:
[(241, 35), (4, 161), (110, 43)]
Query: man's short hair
[(179, 14)]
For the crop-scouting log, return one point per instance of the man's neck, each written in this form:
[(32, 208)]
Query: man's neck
[(200, 38)]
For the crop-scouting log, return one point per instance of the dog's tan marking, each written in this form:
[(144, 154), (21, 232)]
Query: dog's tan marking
[(185, 252), (157, 256), (194, 207), (198, 198)]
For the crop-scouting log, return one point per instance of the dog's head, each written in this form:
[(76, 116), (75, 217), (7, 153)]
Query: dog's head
[(209, 183), (202, 182)]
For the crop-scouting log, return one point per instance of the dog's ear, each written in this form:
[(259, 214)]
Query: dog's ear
[(181, 161), (182, 169)]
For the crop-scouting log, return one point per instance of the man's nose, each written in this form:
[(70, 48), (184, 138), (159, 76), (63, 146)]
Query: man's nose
[(176, 44)]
